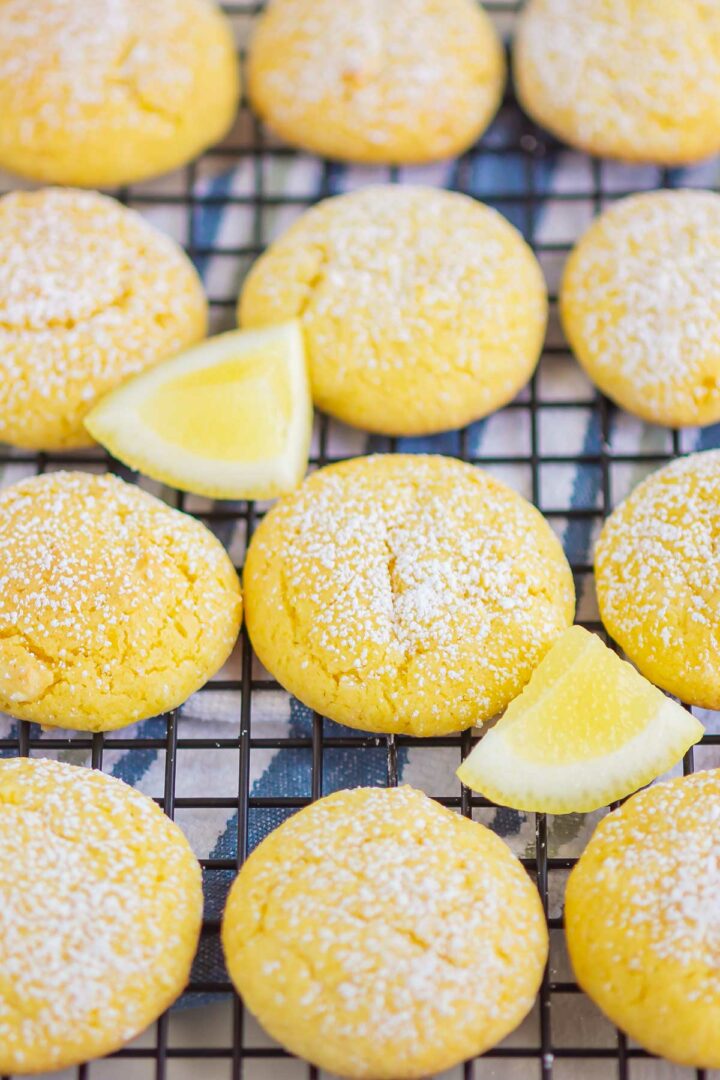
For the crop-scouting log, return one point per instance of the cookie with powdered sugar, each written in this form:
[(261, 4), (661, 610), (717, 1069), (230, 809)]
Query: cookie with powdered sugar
[(640, 305), (382, 936), (641, 916), (98, 93), (405, 593), (635, 81), (90, 294), (100, 911), (657, 576), (404, 82), (423, 310), (113, 606)]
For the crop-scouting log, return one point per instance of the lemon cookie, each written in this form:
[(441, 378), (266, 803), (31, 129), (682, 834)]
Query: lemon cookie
[(100, 910), (640, 303), (635, 81), (90, 293), (104, 92), (113, 606), (423, 309), (405, 593), (380, 935), (658, 578), (406, 82), (641, 913)]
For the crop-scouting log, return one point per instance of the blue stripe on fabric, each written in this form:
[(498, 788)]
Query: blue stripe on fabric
[(587, 485), (446, 442), (290, 774), (334, 179), (11, 733), (675, 178), (208, 218), (134, 764), (709, 438), (491, 173)]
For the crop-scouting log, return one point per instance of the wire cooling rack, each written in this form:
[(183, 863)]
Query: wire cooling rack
[(560, 443)]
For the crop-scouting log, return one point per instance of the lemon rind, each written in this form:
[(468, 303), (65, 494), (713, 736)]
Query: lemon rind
[(585, 785), (116, 424)]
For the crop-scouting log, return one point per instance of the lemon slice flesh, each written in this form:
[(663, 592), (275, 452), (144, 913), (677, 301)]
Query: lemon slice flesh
[(587, 729), (230, 418)]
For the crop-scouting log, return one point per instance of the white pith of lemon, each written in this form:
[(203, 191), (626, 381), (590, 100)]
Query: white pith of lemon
[(230, 418), (587, 730)]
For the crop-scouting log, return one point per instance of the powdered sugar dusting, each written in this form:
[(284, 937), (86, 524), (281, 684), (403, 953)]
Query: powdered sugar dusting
[(390, 925), (641, 303), (658, 577), (113, 607), (89, 294), (71, 58), (636, 80), (418, 586), (421, 308), (100, 907), (656, 865), (367, 78)]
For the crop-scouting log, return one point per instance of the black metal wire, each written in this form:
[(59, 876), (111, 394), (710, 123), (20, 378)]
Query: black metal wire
[(529, 145)]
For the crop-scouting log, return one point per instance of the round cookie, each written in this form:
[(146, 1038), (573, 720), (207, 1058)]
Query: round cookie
[(640, 305), (388, 83), (635, 81), (658, 578), (113, 606), (100, 911), (423, 309), (104, 92), (641, 916), (405, 593), (90, 294), (380, 935)]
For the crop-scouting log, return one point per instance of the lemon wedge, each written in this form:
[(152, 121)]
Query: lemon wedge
[(587, 729), (230, 418)]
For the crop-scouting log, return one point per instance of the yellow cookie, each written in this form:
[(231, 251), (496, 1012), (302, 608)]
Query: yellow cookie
[(380, 935), (641, 914), (100, 910), (114, 91), (405, 593), (90, 293), (366, 80), (640, 303), (113, 607), (658, 578), (631, 80), (423, 310)]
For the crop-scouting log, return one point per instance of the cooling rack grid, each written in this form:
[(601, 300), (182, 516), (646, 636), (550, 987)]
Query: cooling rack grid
[(240, 757)]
